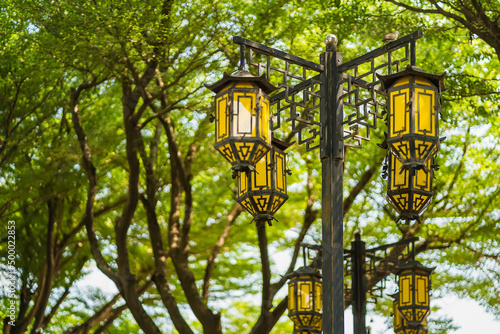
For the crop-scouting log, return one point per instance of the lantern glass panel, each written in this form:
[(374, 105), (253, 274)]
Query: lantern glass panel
[(222, 116), (305, 296), (244, 117), (291, 297), (318, 288), (265, 131)]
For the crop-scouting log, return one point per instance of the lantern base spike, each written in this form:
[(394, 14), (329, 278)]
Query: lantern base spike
[(263, 218), (242, 168), (407, 219)]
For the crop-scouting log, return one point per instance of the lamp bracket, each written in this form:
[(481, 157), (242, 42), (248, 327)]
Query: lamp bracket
[(297, 100)]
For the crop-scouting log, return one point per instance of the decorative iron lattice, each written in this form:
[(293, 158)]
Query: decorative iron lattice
[(379, 262), (297, 101)]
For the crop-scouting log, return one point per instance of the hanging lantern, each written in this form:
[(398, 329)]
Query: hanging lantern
[(262, 191), (401, 325), (409, 191), (413, 107), (305, 301), (242, 129), (414, 293)]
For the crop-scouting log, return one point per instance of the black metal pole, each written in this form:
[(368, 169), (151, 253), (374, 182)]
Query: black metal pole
[(358, 284), (332, 155)]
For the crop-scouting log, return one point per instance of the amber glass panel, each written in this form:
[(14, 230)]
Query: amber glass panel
[(422, 293), (422, 178), (403, 148), (261, 177), (265, 126), (242, 183), (405, 293), (248, 205), (291, 297), (424, 111), (399, 121), (319, 297), (422, 81), (222, 116), (280, 172), (262, 202), (244, 149), (403, 81), (398, 320), (304, 295), (243, 119)]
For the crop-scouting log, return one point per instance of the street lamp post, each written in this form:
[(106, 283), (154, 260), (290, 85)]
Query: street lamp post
[(328, 87), (361, 262)]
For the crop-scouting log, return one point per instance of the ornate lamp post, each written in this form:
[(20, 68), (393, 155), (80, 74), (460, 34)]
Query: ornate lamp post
[(327, 87)]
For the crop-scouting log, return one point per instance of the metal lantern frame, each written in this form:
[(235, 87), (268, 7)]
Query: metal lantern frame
[(264, 190), (242, 118), (401, 325), (305, 300), (414, 282), (409, 191), (329, 105), (413, 112)]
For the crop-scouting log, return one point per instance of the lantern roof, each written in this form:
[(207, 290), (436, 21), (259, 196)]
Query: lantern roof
[(413, 264), (242, 76), (304, 271), (388, 80)]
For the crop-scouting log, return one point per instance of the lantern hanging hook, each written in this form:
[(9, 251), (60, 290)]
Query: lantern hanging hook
[(242, 57)]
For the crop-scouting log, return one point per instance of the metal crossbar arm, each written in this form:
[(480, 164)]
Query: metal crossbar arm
[(399, 43), (361, 83), (297, 88), (400, 243), (266, 50)]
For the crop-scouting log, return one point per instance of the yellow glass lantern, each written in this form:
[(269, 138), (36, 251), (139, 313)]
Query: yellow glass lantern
[(242, 128), (262, 191), (413, 108), (401, 325), (409, 191), (305, 300), (414, 293)]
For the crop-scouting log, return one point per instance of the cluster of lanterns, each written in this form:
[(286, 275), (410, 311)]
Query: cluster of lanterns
[(411, 302), (244, 138), (413, 111)]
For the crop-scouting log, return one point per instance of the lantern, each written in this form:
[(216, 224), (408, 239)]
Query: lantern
[(409, 191), (305, 300), (414, 291), (401, 325), (413, 114), (242, 129), (262, 191)]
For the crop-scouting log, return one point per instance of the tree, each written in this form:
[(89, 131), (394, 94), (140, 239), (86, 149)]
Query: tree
[(107, 158)]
